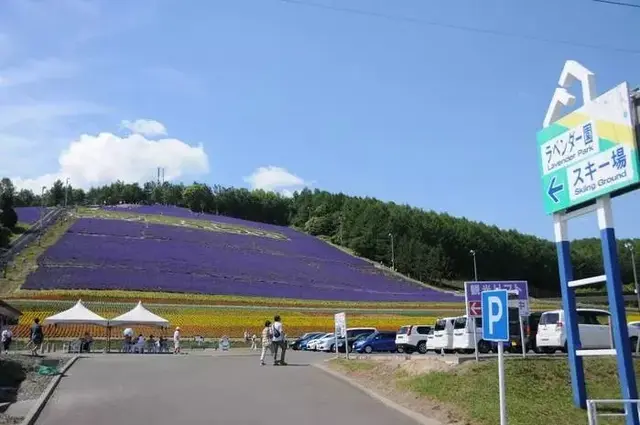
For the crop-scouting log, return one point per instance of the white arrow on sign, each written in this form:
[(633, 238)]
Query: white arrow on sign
[(475, 308)]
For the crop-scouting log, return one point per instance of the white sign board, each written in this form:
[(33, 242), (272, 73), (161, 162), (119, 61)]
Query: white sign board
[(340, 321)]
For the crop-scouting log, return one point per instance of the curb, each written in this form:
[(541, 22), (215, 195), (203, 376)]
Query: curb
[(418, 417), (33, 414)]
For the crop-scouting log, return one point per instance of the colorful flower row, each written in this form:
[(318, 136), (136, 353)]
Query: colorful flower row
[(201, 299), (211, 322)]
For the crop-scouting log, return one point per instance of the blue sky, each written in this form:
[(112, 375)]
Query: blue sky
[(273, 94)]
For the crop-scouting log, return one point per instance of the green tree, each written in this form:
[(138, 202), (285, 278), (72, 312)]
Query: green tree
[(197, 197), (56, 193)]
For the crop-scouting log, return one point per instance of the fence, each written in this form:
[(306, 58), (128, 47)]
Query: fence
[(592, 409)]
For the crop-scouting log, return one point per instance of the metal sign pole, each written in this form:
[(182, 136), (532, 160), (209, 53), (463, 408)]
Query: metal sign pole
[(346, 340), (522, 342), (475, 337), (503, 398)]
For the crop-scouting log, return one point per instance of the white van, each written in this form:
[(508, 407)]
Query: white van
[(593, 330), (463, 335), (412, 338), (443, 334)]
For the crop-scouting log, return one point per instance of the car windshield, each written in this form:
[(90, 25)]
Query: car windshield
[(549, 319), (460, 323), (441, 325), (404, 330)]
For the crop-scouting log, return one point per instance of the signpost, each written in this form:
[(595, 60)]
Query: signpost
[(473, 296), (340, 322), (495, 327), (589, 153), (587, 157)]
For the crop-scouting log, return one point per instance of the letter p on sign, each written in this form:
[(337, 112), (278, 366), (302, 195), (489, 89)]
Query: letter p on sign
[(495, 315)]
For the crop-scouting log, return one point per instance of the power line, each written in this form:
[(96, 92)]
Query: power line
[(618, 3), (417, 21)]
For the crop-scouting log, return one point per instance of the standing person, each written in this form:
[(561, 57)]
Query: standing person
[(254, 342), (176, 341), (7, 336), (266, 340), (277, 332), (37, 336)]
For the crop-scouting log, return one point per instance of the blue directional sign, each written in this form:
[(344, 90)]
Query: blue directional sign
[(495, 315)]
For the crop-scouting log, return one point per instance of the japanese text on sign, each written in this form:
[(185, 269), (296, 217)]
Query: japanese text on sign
[(569, 147), (596, 173)]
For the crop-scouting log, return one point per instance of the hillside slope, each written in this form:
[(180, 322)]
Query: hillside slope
[(168, 249)]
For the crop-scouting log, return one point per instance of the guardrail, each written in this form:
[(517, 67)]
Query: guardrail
[(31, 234), (592, 409)]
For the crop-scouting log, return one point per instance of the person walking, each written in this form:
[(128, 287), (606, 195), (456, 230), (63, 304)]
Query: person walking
[(254, 342), (176, 341), (7, 336), (37, 336), (266, 340), (277, 338)]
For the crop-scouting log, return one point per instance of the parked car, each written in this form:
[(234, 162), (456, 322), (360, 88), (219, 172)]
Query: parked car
[(352, 334), (634, 334), (443, 334), (326, 343), (463, 341), (313, 344), (593, 327), (514, 345), (377, 341), (531, 330), (297, 343), (431, 341), (411, 338), (341, 346)]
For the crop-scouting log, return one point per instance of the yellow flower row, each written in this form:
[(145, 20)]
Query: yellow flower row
[(202, 299)]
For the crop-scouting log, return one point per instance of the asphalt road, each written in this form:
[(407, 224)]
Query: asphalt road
[(201, 389)]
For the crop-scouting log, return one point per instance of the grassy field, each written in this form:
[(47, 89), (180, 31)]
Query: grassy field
[(531, 385), (192, 223), (538, 390)]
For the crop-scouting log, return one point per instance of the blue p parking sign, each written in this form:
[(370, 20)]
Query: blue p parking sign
[(495, 315)]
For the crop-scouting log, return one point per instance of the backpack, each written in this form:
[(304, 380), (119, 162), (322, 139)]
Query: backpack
[(276, 332)]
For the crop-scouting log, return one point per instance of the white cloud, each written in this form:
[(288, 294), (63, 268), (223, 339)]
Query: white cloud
[(275, 179), (144, 127), (93, 160)]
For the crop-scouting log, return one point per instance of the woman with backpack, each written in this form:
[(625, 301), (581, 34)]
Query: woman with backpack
[(278, 341)]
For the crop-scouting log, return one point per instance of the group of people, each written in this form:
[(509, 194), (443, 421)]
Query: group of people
[(140, 344), (274, 339), (36, 337)]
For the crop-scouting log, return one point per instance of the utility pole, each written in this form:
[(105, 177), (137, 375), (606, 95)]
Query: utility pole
[(475, 265), (66, 193)]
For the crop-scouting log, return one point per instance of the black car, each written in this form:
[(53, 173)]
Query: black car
[(514, 345), (531, 331)]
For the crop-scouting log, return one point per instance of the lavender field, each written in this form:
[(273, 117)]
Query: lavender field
[(28, 215), (128, 255)]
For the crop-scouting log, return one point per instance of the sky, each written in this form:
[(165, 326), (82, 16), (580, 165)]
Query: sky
[(430, 103)]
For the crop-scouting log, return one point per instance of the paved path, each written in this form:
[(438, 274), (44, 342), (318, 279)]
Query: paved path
[(227, 390)]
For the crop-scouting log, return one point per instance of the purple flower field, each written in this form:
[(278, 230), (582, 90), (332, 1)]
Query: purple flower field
[(116, 254), (28, 215)]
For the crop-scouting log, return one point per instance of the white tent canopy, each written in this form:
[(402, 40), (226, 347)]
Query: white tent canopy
[(78, 314), (139, 315)]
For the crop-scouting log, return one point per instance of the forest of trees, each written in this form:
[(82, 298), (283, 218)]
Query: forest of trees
[(428, 246)]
